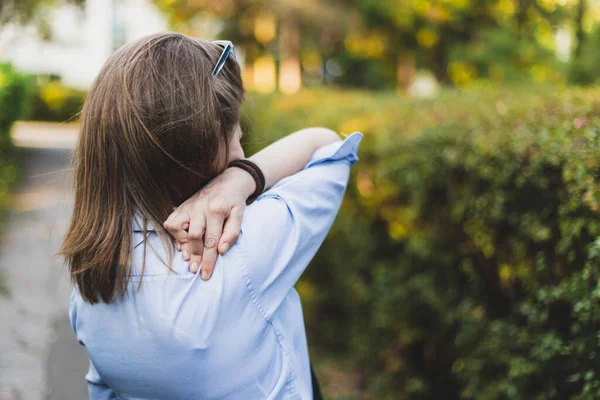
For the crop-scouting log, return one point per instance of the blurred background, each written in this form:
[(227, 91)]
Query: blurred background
[(464, 261)]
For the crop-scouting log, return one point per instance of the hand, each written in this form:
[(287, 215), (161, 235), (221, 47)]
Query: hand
[(209, 222)]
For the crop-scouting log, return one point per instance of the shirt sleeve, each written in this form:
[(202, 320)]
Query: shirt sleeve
[(283, 229), (97, 388), (73, 311)]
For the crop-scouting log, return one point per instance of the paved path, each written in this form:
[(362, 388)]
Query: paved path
[(39, 357)]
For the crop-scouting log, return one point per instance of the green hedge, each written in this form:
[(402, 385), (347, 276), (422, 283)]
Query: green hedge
[(464, 263), (14, 101), (51, 100)]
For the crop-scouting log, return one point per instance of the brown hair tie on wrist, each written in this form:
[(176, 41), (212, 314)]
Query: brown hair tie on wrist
[(254, 171)]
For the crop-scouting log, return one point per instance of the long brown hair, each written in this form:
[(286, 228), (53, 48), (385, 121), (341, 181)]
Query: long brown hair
[(155, 128)]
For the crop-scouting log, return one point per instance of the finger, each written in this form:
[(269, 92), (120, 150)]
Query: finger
[(175, 217), (231, 231), (178, 246), (172, 215), (195, 235), (214, 228), (185, 251), (177, 226)]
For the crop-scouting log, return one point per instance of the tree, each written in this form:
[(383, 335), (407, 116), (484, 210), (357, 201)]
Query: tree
[(29, 11), (579, 32), (377, 41), (433, 30), (269, 27)]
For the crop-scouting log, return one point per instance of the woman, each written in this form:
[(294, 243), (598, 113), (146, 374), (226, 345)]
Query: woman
[(160, 122)]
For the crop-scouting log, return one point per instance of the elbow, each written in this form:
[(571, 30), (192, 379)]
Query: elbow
[(320, 136), (329, 135)]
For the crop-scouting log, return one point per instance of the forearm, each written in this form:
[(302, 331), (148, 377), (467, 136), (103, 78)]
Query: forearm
[(290, 154), (281, 159)]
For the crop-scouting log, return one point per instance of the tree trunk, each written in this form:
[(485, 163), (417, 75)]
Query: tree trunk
[(290, 78), (405, 72), (440, 62), (522, 14), (579, 34)]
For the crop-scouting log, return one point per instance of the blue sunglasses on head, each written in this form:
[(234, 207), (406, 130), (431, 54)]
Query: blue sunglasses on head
[(227, 50)]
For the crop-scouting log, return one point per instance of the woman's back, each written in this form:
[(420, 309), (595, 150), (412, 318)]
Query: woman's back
[(180, 337), (239, 335)]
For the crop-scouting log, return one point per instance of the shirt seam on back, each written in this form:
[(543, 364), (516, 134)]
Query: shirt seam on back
[(291, 387)]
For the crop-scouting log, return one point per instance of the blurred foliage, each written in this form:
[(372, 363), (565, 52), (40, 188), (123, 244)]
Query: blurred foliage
[(370, 40), (14, 99), (378, 44), (51, 100), (498, 55), (585, 69), (464, 261), (434, 31), (31, 11)]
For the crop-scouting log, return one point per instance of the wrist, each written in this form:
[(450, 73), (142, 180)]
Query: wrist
[(255, 172), (243, 181)]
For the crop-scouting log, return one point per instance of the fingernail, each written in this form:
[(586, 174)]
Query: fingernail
[(186, 255), (194, 267), (225, 247), (205, 275)]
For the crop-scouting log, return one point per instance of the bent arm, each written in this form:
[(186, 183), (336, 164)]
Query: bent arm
[(289, 155), (211, 219), (284, 228)]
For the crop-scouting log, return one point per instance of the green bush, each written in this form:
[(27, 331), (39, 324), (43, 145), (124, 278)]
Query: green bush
[(464, 262), (53, 101), (503, 56), (14, 100)]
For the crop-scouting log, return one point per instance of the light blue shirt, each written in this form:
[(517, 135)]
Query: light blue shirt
[(239, 335)]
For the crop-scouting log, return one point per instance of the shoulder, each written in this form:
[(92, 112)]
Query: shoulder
[(282, 230), (306, 195)]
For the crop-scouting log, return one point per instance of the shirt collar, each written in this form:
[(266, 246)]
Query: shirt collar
[(138, 223)]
